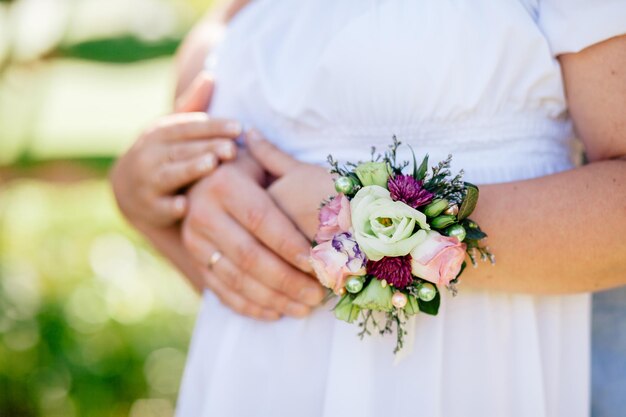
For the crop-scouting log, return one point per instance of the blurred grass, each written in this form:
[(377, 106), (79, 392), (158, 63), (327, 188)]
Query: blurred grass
[(92, 321), (121, 49), (68, 108)]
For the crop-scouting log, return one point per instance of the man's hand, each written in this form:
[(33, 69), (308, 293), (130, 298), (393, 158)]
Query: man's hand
[(253, 256)]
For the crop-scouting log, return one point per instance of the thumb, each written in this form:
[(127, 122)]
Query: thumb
[(197, 97), (272, 159)]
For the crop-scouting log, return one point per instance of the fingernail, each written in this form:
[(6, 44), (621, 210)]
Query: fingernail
[(233, 128), (311, 296), (297, 310), (227, 151), (179, 204), (207, 163)]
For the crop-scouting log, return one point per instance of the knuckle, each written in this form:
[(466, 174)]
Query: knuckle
[(284, 282), (189, 171), (160, 177), (239, 307), (174, 153), (279, 302), (235, 280), (264, 298), (288, 250), (255, 217), (247, 256), (253, 311)]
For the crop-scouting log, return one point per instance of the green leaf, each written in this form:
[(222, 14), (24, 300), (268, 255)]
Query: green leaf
[(345, 310), (412, 305), (430, 307), (474, 234), (420, 173), (122, 49), (469, 203), (375, 297), (355, 180), (472, 230)]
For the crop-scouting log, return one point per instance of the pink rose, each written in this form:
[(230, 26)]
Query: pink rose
[(337, 259), (334, 218), (438, 259)]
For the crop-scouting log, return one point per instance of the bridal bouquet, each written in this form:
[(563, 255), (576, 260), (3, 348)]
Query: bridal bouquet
[(389, 240)]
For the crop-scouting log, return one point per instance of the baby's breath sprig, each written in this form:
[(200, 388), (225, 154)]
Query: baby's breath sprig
[(392, 151), (476, 249), (451, 287), (368, 318), (390, 156), (439, 183), (335, 168), (395, 317), (476, 252)]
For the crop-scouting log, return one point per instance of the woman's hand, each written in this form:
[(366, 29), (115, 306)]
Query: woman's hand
[(174, 152), (250, 253), (297, 188)]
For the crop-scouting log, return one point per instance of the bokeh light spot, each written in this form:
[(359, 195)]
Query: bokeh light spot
[(163, 370)]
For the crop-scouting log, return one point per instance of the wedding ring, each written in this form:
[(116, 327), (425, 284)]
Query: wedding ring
[(215, 257)]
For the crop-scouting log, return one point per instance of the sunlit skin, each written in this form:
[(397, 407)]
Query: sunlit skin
[(561, 233), (557, 234), (533, 223)]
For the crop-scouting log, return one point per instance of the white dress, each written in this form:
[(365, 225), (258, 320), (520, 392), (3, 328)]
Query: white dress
[(475, 78)]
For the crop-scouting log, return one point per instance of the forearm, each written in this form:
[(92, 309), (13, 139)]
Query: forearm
[(562, 233), (168, 242)]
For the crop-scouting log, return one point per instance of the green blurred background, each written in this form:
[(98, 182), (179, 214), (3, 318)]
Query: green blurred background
[(92, 322)]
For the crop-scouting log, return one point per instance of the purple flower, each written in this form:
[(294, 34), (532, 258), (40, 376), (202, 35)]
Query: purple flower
[(345, 243), (394, 270), (335, 260), (407, 189)]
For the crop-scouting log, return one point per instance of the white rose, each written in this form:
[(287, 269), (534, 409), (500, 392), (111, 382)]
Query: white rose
[(383, 227)]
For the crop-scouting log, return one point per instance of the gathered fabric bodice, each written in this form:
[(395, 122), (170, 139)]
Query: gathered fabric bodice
[(446, 77)]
